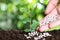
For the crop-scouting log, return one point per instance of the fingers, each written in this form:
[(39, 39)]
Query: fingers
[(53, 12), (51, 6), (55, 24), (46, 26), (43, 28)]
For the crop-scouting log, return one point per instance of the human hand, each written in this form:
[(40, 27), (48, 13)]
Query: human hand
[(52, 18)]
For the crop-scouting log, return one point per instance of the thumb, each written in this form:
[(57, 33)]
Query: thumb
[(51, 6)]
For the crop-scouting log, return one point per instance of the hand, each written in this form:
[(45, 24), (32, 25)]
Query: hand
[(52, 18)]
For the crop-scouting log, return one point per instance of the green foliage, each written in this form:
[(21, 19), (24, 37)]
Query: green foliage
[(27, 30), (20, 25), (34, 25), (45, 2), (21, 14), (39, 17)]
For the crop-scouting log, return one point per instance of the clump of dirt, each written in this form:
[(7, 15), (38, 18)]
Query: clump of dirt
[(19, 35)]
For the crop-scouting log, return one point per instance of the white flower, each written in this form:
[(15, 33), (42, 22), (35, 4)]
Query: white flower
[(3, 6), (39, 6), (42, 1), (29, 1)]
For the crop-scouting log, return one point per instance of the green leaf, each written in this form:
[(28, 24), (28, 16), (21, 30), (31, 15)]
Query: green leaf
[(27, 30), (46, 2), (26, 20), (20, 25), (40, 8), (9, 7), (34, 25), (20, 17), (39, 17)]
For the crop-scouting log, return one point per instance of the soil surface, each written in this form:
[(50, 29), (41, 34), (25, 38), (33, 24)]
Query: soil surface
[(19, 35)]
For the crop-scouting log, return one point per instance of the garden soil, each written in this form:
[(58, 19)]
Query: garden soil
[(19, 35)]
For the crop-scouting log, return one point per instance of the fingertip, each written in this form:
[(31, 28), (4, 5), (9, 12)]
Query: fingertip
[(51, 5), (43, 28), (46, 12)]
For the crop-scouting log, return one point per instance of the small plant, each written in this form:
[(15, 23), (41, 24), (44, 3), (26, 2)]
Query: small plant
[(33, 26)]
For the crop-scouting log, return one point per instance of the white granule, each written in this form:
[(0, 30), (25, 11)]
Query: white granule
[(49, 19), (38, 35), (27, 36), (35, 38), (43, 38)]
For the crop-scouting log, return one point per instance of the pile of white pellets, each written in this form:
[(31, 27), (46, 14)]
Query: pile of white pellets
[(37, 35), (48, 19)]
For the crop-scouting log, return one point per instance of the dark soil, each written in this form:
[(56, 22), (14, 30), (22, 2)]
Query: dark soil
[(19, 35)]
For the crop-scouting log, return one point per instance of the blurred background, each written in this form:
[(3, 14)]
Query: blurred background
[(21, 14)]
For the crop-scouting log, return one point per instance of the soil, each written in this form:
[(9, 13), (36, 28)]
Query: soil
[(19, 35)]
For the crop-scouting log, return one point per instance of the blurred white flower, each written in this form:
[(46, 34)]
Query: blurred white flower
[(2, 24), (29, 1), (39, 6), (41, 1), (3, 6)]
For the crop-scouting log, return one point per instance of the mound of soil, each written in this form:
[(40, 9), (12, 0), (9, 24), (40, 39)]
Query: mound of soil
[(19, 35)]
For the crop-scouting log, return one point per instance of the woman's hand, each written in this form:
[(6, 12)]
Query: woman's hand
[(52, 18)]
